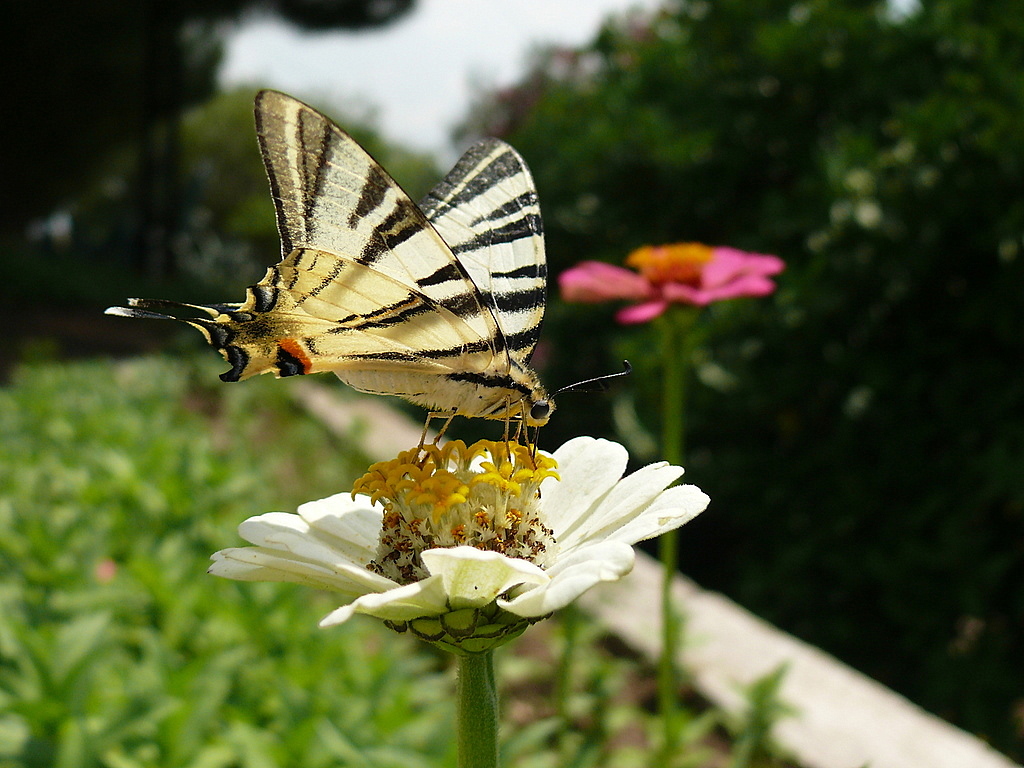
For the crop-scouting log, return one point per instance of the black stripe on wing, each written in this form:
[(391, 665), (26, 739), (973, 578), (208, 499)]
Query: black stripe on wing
[(526, 299), (393, 314), (375, 189), (500, 168), (528, 226), (404, 221), (448, 273), (490, 381), (315, 139), (515, 205), (424, 354)]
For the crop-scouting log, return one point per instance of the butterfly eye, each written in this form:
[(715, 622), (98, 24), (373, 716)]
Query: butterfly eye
[(540, 410)]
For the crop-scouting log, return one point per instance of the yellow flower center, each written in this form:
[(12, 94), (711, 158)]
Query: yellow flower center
[(484, 495), (679, 263)]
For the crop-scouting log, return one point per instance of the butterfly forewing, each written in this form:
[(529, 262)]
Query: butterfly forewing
[(486, 210), (332, 196)]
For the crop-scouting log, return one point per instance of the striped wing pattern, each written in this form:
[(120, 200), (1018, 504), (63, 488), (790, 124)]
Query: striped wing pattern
[(332, 196), (370, 289), (486, 210)]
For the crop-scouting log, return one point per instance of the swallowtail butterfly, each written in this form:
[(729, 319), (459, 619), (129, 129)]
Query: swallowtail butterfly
[(440, 304)]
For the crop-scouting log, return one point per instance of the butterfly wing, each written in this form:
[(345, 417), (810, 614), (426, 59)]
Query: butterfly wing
[(486, 210), (331, 196), (316, 312)]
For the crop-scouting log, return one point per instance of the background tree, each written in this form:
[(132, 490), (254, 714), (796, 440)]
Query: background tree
[(861, 434), (229, 214), (87, 80)]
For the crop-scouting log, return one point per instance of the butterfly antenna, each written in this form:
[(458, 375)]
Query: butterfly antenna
[(597, 384)]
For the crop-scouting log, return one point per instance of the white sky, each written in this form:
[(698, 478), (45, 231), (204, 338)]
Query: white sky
[(419, 73)]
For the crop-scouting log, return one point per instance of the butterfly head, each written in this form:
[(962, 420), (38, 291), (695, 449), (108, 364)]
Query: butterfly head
[(536, 406), (539, 409)]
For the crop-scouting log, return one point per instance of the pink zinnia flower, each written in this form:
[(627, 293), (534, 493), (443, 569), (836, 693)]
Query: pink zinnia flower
[(684, 273)]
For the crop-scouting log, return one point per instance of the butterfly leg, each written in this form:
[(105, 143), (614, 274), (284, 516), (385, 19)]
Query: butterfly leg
[(446, 415), (423, 435), (444, 427), (508, 427)]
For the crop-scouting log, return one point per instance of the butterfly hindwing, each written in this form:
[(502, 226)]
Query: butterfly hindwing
[(371, 321), (486, 210)]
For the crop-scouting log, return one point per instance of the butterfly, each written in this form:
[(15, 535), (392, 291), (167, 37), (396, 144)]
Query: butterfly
[(440, 304)]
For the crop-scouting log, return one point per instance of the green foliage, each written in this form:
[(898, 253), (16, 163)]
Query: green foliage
[(605, 719), (859, 433), (764, 709)]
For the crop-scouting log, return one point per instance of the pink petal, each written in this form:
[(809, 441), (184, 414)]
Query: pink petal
[(727, 264), (748, 285), (594, 281), (641, 313), (681, 293), (744, 285)]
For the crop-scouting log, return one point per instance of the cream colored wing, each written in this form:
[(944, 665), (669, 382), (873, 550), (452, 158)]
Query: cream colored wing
[(316, 312), (486, 210), (369, 290), (332, 196)]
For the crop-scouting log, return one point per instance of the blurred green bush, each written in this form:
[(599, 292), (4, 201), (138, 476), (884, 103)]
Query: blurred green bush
[(860, 434)]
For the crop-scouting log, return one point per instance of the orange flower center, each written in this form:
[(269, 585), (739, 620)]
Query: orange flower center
[(679, 263)]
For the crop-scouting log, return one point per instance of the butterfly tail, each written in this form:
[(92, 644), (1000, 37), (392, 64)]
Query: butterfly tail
[(218, 333)]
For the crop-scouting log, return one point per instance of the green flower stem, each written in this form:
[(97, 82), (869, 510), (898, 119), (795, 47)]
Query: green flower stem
[(477, 711), (677, 345), (570, 621)]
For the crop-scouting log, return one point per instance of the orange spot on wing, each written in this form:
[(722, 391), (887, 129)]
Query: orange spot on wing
[(293, 348)]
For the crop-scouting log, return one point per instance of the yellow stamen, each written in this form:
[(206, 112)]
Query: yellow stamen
[(484, 495)]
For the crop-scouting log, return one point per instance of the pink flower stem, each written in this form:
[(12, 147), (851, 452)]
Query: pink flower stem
[(678, 342)]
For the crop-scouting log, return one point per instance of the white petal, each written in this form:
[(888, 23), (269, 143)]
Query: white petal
[(257, 529), (579, 571), (316, 540), (588, 469), (412, 601), (622, 504), (474, 578), (674, 507), (260, 564), (353, 525), (307, 549)]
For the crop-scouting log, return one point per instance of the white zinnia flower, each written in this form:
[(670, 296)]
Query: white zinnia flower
[(466, 546)]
